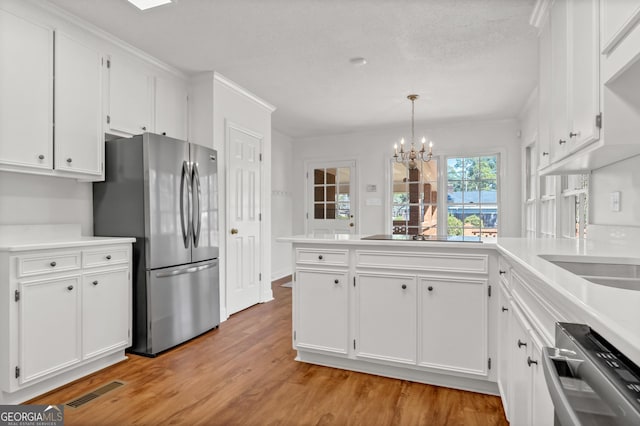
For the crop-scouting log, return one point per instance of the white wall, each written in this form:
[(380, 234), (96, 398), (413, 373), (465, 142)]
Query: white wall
[(31, 199), (624, 177), (281, 203), (372, 151)]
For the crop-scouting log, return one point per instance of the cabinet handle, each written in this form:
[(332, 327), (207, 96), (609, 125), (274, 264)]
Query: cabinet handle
[(41, 157), (69, 160), (544, 154), (108, 257), (336, 281), (320, 257), (430, 288), (70, 288), (572, 134), (95, 282), (562, 142), (521, 344), (52, 264), (530, 361), (504, 309), (502, 272), (404, 286)]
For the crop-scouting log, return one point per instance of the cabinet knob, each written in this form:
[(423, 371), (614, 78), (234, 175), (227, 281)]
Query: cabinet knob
[(530, 361), (52, 264), (70, 288), (502, 272), (108, 257), (562, 142), (41, 157), (544, 154), (573, 134), (320, 257), (69, 160), (164, 133), (430, 288), (95, 282), (521, 344), (144, 128), (504, 309), (404, 286), (336, 281)]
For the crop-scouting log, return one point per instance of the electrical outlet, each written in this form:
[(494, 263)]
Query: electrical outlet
[(615, 201)]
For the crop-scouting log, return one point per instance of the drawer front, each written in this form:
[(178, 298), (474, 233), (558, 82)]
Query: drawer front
[(444, 262), (322, 257), (105, 257), (48, 263)]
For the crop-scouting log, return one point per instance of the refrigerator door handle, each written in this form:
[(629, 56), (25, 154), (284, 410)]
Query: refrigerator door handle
[(197, 195), (187, 270), (186, 227)]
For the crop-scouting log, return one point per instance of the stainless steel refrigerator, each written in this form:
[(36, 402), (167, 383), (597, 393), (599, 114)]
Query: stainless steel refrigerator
[(163, 192)]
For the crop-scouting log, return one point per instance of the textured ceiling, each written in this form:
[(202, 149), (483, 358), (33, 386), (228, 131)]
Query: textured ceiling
[(468, 59)]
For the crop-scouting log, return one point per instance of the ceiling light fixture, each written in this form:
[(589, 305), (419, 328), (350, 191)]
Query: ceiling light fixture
[(412, 156), (358, 62), (148, 4)]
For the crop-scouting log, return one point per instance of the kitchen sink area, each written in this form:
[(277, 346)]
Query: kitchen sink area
[(616, 272), (441, 238)]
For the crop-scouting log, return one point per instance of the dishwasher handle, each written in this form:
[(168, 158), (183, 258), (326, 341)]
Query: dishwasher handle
[(563, 410)]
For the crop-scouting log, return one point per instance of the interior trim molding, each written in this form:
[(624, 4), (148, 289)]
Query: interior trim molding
[(242, 91)]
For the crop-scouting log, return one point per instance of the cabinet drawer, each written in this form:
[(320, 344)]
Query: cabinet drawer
[(446, 262), (104, 257), (47, 263), (322, 257)]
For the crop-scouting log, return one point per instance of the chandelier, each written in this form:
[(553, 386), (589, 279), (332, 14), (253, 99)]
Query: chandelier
[(413, 155)]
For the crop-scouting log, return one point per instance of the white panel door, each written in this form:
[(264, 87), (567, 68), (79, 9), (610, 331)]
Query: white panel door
[(78, 104), (321, 310), (386, 317), (49, 330), (26, 93), (105, 312), (171, 108), (331, 192), (130, 97), (453, 324), (243, 218)]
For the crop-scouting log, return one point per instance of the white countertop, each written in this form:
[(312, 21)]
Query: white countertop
[(355, 239), (40, 237), (612, 312)]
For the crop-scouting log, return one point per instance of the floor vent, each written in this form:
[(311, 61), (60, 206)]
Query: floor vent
[(94, 394)]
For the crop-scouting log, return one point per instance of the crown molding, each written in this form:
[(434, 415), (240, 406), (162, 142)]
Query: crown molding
[(242, 91), (540, 10)]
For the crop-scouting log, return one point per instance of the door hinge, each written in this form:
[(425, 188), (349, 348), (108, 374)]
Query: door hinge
[(108, 119), (354, 281), (489, 363), (599, 121), (17, 372), (294, 276), (260, 276), (260, 216), (260, 156), (354, 343), (17, 295), (108, 63), (489, 291), (294, 335)]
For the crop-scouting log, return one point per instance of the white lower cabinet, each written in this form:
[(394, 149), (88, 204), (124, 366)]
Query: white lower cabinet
[(504, 319), (453, 330), (386, 317), (519, 345), (48, 326), (321, 310)]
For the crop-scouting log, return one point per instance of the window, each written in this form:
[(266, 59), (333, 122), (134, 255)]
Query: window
[(415, 199), (472, 196), (331, 193), (530, 202), (575, 205)]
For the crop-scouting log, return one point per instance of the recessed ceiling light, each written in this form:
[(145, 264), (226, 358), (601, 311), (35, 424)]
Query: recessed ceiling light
[(148, 4), (358, 62)]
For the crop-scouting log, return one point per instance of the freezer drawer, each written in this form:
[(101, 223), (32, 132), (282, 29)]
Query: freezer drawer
[(183, 303)]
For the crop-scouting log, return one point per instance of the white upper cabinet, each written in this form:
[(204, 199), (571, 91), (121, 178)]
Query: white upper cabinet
[(559, 79), (171, 108), (26, 94), (79, 137), (130, 97)]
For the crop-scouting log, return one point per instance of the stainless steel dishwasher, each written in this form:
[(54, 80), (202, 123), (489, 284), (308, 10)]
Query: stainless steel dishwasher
[(590, 381)]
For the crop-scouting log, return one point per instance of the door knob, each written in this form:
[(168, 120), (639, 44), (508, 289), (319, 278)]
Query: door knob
[(351, 224), (234, 231)]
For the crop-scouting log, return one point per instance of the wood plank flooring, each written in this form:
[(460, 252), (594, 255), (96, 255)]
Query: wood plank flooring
[(244, 373)]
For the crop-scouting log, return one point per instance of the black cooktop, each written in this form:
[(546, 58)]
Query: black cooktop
[(444, 238)]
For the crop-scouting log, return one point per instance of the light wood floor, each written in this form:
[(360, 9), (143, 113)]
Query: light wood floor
[(244, 373)]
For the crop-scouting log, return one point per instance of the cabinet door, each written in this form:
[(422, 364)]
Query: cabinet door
[(559, 91), (78, 103), (49, 326), (519, 371), (130, 98), (171, 108), (542, 411), (386, 317), (321, 310), (105, 312), (453, 324), (544, 94), (26, 93), (504, 349), (584, 76)]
